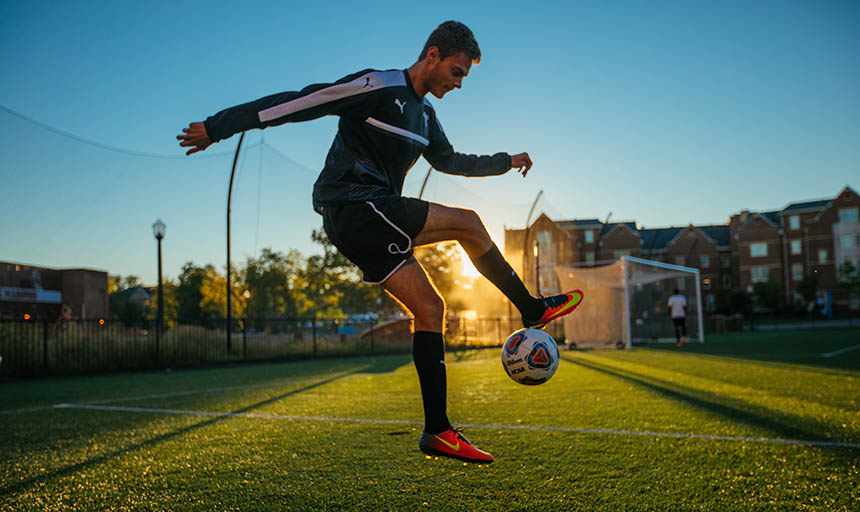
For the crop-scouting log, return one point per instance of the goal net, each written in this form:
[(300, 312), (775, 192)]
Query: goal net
[(626, 302)]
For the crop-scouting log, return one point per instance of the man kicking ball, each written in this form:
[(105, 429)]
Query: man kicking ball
[(385, 125)]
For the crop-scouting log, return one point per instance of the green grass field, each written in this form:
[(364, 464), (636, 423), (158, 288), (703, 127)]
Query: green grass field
[(756, 421)]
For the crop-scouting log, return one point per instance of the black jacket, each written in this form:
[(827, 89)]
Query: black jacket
[(384, 128)]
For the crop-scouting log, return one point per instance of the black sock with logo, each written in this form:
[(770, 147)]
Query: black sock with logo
[(493, 266), (428, 353)]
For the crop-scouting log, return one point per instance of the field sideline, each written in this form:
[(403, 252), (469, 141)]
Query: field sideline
[(752, 421)]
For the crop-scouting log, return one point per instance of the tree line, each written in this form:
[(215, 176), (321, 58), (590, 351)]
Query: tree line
[(277, 285)]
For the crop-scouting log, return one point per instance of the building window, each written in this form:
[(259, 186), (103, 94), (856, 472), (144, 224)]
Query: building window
[(759, 274), (705, 261), (846, 241), (589, 236), (795, 247), (822, 256), (847, 215), (854, 301), (794, 222), (619, 254), (680, 260), (758, 249), (727, 281), (681, 284), (797, 271), (725, 262), (589, 257)]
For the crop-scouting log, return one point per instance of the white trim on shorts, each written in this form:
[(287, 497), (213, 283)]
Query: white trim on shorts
[(396, 249)]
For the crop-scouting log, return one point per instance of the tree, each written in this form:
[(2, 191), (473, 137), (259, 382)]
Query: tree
[(808, 288), (201, 294), (767, 294), (848, 277), (444, 266), (271, 281), (128, 312)]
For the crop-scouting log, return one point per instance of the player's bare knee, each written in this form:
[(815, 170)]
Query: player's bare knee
[(431, 310)]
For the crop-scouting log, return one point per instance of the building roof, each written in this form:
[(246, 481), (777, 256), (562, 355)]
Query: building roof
[(657, 239), (719, 234), (808, 205), (579, 223)]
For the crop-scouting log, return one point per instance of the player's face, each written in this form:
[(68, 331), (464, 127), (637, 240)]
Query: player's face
[(448, 74)]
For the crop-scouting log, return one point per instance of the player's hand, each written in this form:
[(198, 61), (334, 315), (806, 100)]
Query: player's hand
[(195, 135), (522, 163)]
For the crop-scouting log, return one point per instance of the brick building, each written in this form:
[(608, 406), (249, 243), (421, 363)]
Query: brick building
[(40, 292), (780, 246)]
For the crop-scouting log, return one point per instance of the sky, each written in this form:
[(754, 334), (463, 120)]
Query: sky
[(661, 112)]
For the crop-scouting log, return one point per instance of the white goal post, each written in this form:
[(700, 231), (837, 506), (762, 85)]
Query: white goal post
[(626, 302)]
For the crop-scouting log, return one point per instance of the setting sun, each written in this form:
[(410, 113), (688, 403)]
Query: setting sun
[(469, 270)]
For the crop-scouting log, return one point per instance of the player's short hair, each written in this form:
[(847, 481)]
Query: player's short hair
[(450, 38), (675, 291)]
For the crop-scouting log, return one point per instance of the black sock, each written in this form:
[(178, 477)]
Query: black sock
[(493, 266), (428, 353)]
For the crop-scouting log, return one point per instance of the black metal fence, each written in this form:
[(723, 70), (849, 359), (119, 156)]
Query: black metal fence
[(41, 347)]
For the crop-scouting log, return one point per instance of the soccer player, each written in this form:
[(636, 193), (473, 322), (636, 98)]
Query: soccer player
[(678, 310), (385, 125)]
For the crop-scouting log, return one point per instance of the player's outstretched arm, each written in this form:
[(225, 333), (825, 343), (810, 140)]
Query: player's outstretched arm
[(522, 163), (194, 136)]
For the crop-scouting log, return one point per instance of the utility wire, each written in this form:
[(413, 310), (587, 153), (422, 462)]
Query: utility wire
[(290, 160), (101, 145)]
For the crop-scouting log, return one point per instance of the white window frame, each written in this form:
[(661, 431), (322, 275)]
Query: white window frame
[(794, 222), (797, 271), (849, 238), (589, 236), (848, 215), (758, 249), (759, 274), (796, 248)]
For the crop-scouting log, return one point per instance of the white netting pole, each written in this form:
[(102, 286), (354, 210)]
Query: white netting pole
[(626, 314), (699, 306)]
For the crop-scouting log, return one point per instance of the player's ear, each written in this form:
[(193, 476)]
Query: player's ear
[(432, 55)]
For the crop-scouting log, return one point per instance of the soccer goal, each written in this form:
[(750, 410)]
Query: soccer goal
[(626, 302)]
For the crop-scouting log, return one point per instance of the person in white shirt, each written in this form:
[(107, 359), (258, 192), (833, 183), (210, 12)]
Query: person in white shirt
[(678, 310)]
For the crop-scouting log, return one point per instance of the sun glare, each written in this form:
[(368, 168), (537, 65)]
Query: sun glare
[(469, 270)]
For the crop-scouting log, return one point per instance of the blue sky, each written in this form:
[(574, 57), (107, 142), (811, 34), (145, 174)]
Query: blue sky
[(661, 112)]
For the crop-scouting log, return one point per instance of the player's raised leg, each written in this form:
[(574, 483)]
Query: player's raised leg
[(465, 226), (411, 287)]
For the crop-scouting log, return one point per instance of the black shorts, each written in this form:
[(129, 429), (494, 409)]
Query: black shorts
[(679, 321), (376, 235)]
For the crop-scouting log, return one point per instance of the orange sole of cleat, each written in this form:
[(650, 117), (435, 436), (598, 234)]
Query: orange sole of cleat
[(438, 453)]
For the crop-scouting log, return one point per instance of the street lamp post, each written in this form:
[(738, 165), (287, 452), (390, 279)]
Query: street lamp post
[(537, 267), (158, 229)]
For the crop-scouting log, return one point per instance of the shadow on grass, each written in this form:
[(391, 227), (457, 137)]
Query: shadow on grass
[(738, 411), (92, 461), (387, 363), (800, 347)]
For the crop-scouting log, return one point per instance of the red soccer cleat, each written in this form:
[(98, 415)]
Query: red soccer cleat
[(556, 306), (451, 443)]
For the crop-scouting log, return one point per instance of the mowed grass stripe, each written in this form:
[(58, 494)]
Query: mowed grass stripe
[(757, 396), (799, 416), (469, 425)]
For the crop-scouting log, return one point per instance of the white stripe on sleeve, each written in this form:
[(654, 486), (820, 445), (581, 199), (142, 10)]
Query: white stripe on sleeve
[(363, 84), (396, 130)]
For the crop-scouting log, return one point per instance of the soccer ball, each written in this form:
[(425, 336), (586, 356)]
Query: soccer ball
[(530, 356)]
